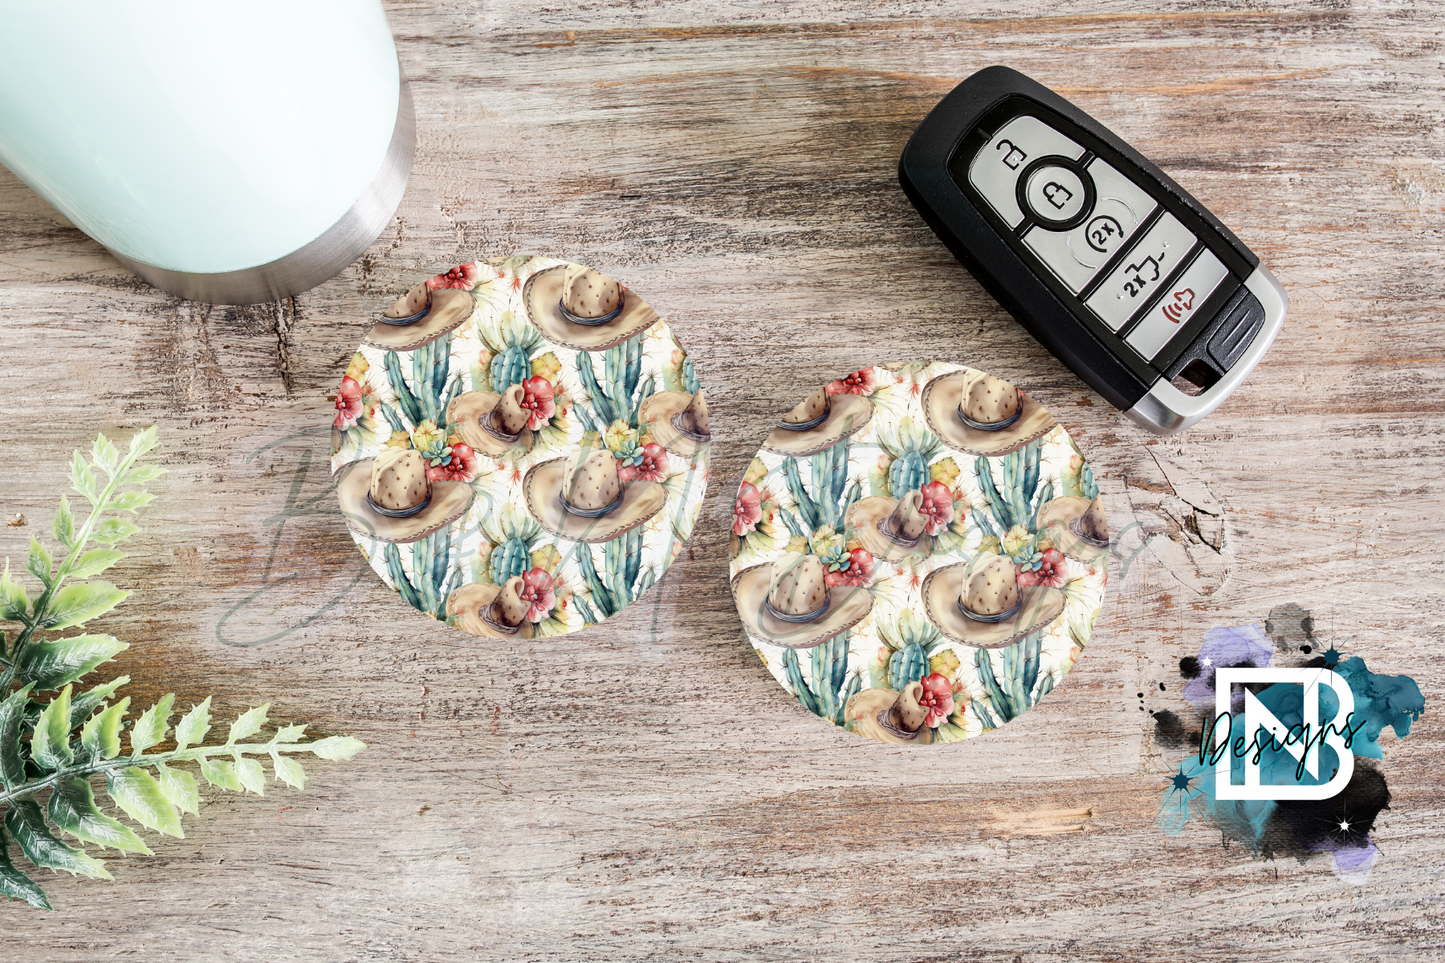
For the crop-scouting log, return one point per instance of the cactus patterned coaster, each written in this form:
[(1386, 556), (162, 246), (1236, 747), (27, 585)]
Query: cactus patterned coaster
[(918, 552), (520, 447)]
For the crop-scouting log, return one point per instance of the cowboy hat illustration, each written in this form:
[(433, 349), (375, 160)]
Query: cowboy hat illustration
[(492, 424), (582, 309), (820, 421), (890, 716), (889, 528), (983, 415), (491, 611), (1078, 526), (980, 603), (419, 317), (581, 497), (390, 498), (789, 602), (678, 421)]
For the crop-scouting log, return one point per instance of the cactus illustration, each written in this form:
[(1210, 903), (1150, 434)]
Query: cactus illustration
[(908, 664), (908, 447), (908, 643), (826, 500), (621, 581), (428, 395), (512, 557), (433, 577), (828, 694), (617, 397), (515, 543), (511, 367), (511, 343), (1013, 503), (1017, 688)]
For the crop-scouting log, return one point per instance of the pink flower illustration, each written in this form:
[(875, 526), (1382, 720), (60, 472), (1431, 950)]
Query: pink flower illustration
[(463, 277), (349, 408), (859, 571), (747, 510), (653, 466), (539, 398), (461, 466), (539, 592), (1051, 571), (937, 504), (857, 383), (937, 698)]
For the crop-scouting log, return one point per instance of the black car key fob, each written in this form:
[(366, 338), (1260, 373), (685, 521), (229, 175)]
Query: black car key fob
[(1105, 260)]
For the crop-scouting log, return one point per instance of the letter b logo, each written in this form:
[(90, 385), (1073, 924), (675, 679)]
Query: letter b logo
[(1301, 741)]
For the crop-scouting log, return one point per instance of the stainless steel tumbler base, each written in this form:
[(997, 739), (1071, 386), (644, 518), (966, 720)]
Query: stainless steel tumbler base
[(322, 258)]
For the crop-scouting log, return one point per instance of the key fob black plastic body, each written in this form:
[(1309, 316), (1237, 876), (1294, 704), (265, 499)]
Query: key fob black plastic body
[(1111, 265)]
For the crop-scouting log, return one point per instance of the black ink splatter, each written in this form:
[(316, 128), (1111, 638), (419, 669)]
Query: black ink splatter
[(1189, 667), (1169, 730)]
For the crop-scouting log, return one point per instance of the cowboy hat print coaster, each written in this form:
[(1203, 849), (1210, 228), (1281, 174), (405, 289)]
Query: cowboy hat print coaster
[(520, 447), (918, 552)]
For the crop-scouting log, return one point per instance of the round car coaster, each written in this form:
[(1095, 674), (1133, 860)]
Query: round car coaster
[(520, 447), (918, 552)]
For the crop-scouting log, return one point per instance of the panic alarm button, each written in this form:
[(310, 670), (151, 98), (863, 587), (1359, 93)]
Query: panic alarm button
[(1177, 305)]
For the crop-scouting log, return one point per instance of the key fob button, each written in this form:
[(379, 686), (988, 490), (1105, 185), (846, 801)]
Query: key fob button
[(1178, 304), (1057, 196), (1141, 272), (995, 170), (1076, 256)]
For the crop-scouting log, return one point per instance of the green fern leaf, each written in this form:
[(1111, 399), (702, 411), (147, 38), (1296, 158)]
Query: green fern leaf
[(27, 824), (73, 810), (101, 735), (57, 662), (13, 883), (78, 604), (194, 725), (63, 528), (180, 788), (248, 724), (140, 796), (39, 562), (289, 771), (50, 744), (95, 561), (152, 726), (14, 606), (251, 775), (12, 713), (220, 774)]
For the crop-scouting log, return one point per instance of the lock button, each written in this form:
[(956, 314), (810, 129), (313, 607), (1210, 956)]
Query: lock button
[(1056, 195)]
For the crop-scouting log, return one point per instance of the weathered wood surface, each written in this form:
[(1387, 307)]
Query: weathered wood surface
[(644, 789)]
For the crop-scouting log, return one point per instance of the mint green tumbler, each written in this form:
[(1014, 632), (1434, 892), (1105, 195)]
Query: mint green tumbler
[(230, 152)]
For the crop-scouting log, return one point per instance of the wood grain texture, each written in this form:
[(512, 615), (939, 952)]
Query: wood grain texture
[(644, 789)]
